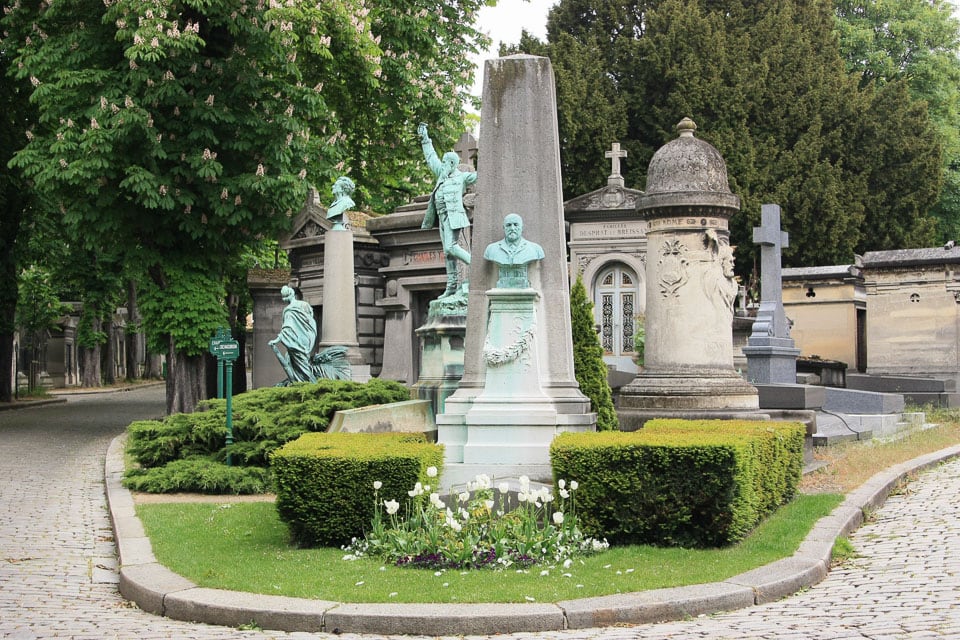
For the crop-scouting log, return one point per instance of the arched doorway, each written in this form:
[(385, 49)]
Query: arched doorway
[(616, 303)]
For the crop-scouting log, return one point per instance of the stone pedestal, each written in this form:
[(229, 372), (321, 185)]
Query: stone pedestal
[(512, 421), (339, 320), (771, 360), (441, 359)]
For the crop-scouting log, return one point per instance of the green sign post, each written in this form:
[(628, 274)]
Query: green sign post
[(226, 350)]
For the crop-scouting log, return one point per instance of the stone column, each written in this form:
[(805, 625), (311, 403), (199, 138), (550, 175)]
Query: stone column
[(688, 360), (339, 319)]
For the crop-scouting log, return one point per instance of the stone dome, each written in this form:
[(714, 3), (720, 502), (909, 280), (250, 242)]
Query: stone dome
[(690, 173)]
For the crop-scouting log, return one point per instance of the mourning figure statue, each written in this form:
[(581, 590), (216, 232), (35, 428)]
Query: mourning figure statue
[(298, 333)]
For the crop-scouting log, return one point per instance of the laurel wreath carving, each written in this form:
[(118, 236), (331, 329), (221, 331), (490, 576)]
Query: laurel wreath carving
[(497, 357)]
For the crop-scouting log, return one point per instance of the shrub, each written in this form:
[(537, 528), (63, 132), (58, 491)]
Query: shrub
[(693, 484), (199, 475), (324, 480), (777, 448), (589, 367), (263, 420), (476, 529)]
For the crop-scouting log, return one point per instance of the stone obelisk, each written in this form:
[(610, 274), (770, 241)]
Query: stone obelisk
[(519, 173)]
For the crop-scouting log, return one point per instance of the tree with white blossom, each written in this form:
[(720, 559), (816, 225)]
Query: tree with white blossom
[(183, 131)]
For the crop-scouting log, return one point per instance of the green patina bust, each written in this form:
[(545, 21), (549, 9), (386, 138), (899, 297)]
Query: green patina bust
[(513, 254), (343, 188)]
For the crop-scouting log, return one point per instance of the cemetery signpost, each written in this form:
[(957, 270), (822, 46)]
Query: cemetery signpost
[(226, 350)]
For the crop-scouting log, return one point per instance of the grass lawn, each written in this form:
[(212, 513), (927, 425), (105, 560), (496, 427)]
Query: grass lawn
[(245, 547)]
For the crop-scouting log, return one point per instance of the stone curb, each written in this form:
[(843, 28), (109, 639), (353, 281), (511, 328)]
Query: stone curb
[(29, 404), (156, 589)]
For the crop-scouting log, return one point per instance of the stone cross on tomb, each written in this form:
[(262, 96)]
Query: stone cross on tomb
[(466, 148), (772, 241), (615, 154)]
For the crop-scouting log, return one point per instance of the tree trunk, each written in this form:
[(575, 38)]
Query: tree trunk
[(154, 366), (90, 367), (185, 381), (132, 337), (109, 352), (7, 374)]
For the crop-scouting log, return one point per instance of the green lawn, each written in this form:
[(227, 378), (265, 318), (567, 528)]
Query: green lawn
[(245, 547)]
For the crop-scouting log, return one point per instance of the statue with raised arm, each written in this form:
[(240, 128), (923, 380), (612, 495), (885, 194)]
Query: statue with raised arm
[(297, 335), (445, 209), (343, 188), (513, 254)]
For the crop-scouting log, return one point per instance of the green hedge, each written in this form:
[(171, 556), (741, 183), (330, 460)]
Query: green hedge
[(777, 446), (325, 480), (263, 419), (677, 483)]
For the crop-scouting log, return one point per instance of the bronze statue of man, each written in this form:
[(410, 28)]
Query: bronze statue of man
[(446, 209)]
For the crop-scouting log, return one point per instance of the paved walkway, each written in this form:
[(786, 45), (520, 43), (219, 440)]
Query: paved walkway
[(58, 568)]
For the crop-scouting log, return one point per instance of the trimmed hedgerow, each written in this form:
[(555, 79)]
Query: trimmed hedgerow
[(263, 420), (679, 485), (777, 446), (324, 481)]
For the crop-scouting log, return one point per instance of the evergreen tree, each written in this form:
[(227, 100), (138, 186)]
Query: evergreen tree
[(916, 42), (767, 86), (589, 367)]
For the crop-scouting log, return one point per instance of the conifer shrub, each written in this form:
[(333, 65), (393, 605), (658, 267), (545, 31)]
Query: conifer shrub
[(325, 481), (589, 367), (680, 483), (263, 420)]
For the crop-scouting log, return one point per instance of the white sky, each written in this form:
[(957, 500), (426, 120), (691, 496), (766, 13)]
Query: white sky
[(504, 22)]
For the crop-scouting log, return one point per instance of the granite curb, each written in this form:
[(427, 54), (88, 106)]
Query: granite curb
[(156, 589)]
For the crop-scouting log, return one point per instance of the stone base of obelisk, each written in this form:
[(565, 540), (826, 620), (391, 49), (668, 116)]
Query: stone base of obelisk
[(695, 394), (441, 359), (512, 420)]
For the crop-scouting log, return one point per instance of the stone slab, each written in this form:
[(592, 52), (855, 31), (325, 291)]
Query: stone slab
[(414, 416), (443, 619), (655, 606), (939, 400), (898, 384), (862, 402), (790, 396)]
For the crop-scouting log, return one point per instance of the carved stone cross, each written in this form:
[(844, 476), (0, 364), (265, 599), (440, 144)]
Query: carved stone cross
[(466, 148), (772, 241), (615, 154)]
